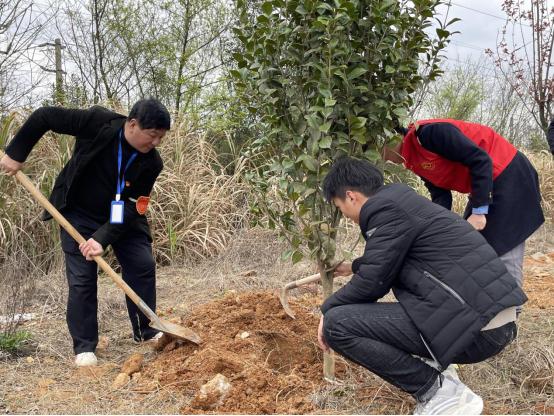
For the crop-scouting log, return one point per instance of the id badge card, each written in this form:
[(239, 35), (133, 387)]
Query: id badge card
[(116, 212)]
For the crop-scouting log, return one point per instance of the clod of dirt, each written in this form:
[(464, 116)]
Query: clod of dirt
[(242, 335), (133, 364), (212, 394), (162, 342), (121, 380), (43, 386)]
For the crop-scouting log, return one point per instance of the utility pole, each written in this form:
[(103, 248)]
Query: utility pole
[(59, 95)]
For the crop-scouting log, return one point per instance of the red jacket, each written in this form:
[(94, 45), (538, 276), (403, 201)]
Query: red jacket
[(448, 174)]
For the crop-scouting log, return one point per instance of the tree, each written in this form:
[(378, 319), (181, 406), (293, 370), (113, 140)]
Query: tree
[(325, 79), (21, 23), (526, 60), (456, 95), (477, 92)]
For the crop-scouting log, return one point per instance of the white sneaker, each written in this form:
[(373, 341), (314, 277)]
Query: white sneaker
[(85, 359), (156, 337), (452, 398), (450, 371)]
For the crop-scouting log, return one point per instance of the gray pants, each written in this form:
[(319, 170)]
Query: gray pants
[(513, 260)]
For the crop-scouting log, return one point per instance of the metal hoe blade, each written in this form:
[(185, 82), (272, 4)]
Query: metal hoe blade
[(283, 298), (176, 331)]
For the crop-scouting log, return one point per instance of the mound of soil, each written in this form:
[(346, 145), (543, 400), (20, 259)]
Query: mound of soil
[(271, 360)]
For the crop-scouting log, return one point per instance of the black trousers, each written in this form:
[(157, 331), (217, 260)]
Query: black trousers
[(382, 338), (134, 253)]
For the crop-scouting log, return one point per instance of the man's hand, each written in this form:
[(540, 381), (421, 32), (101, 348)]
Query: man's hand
[(343, 269), (479, 221), (320, 338), (10, 166), (91, 248)]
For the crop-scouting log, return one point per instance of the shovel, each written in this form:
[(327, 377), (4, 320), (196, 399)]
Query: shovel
[(284, 291), (169, 328)]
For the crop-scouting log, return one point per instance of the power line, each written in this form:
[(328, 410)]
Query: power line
[(467, 45), (483, 12)]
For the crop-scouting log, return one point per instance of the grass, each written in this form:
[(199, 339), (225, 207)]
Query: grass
[(11, 343), (516, 381)]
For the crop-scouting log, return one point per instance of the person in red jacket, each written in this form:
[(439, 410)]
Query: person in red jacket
[(504, 196)]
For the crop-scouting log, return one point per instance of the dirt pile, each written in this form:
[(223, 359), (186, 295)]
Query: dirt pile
[(272, 362), (274, 365)]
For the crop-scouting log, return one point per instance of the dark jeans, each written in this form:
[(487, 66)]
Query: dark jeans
[(382, 338), (134, 253)]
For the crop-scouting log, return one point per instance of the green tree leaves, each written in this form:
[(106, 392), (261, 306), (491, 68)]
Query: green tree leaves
[(325, 79)]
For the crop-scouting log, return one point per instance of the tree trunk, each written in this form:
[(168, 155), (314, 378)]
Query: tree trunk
[(328, 358)]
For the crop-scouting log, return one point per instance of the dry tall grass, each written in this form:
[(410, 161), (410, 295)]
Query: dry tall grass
[(197, 208), (544, 164)]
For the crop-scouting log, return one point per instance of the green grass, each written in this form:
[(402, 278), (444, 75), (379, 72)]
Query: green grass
[(12, 342)]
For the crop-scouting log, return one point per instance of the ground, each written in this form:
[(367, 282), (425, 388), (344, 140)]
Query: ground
[(274, 368)]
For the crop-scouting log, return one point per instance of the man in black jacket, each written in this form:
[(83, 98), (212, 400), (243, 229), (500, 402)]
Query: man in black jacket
[(103, 191), (456, 300)]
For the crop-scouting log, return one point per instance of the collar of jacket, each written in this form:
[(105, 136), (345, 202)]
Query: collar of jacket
[(367, 210)]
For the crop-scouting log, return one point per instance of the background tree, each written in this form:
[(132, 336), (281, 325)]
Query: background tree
[(526, 59), (473, 90), (325, 79), (123, 50), (21, 24)]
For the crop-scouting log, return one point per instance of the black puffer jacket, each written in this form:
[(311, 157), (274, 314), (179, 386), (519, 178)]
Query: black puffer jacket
[(446, 276)]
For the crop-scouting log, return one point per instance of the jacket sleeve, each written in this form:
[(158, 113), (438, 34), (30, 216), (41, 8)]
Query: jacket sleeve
[(449, 142), (109, 233), (56, 119), (439, 196), (385, 249), (550, 136)]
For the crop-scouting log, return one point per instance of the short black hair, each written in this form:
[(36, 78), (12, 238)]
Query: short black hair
[(349, 174), (150, 114)]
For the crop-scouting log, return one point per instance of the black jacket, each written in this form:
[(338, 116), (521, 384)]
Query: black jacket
[(550, 136), (448, 279), (93, 129), (514, 197)]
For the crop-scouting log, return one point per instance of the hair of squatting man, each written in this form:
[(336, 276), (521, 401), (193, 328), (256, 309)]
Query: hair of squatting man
[(349, 174)]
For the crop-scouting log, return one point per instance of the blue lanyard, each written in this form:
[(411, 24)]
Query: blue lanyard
[(121, 183)]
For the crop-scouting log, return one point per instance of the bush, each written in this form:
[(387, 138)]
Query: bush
[(11, 343)]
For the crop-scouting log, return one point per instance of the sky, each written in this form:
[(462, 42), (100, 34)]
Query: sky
[(482, 21)]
